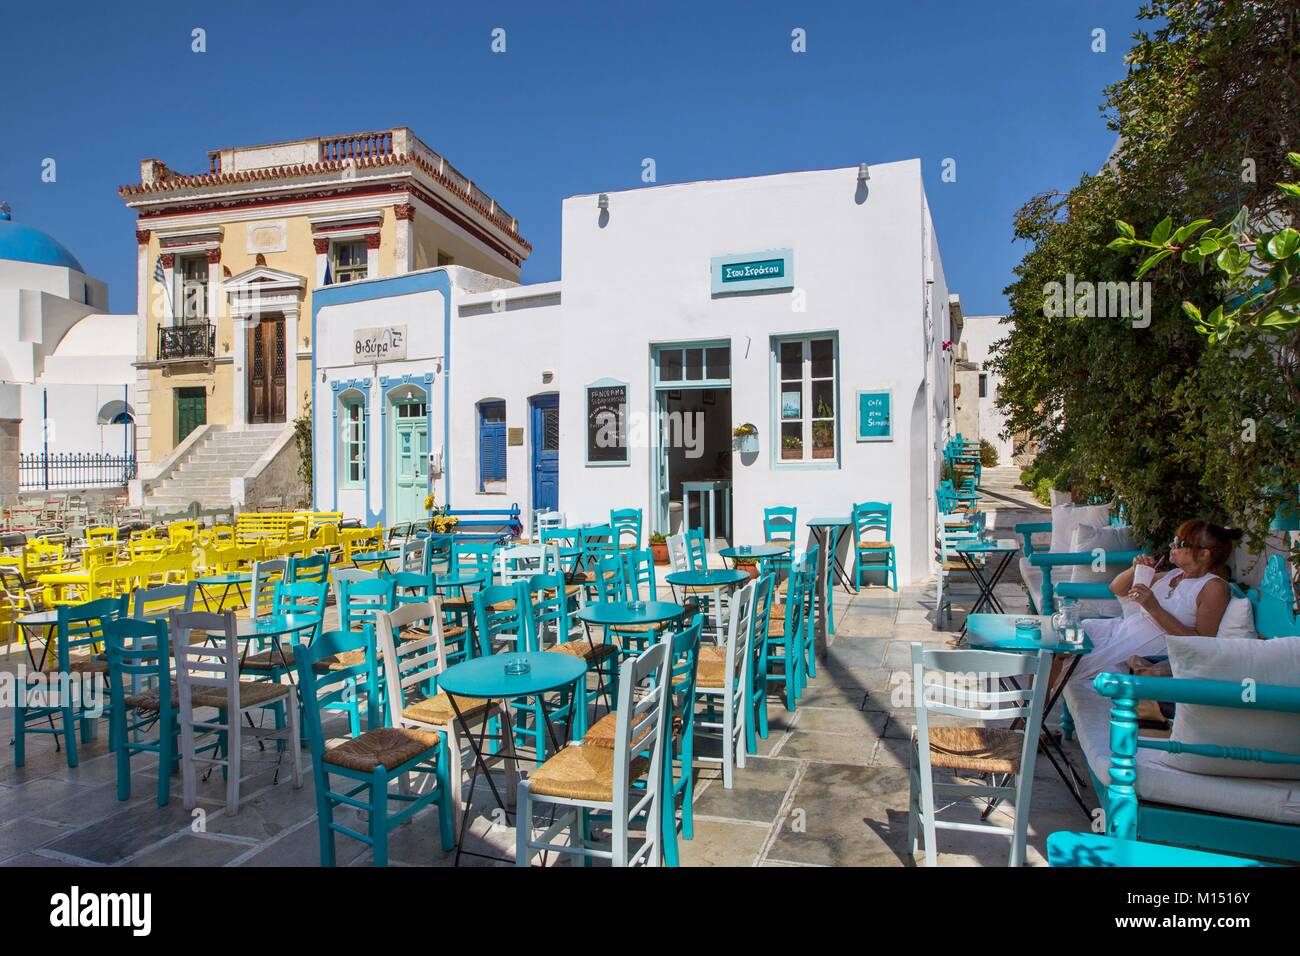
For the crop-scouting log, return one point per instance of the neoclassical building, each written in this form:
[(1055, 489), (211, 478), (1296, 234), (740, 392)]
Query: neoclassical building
[(227, 261)]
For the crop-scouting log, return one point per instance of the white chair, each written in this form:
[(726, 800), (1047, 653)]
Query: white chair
[(412, 658), (350, 574), (678, 560), (522, 561), (266, 575), (206, 648), (412, 555), (995, 752), (723, 679), (543, 520), (579, 781)]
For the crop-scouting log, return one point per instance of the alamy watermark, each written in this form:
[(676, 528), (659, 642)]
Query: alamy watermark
[(1083, 299)]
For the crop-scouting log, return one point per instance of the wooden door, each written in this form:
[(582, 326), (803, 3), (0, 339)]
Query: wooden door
[(191, 410), (266, 371)]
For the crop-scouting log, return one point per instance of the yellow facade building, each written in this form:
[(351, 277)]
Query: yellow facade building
[(227, 260)]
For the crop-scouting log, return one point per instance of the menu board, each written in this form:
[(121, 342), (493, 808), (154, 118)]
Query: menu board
[(607, 423), (874, 416)]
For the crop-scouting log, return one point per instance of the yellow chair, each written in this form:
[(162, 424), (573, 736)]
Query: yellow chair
[(101, 535)]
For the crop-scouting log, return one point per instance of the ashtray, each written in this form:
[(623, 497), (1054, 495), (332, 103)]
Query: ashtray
[(516, 666), (636, 607), (1028, 627)]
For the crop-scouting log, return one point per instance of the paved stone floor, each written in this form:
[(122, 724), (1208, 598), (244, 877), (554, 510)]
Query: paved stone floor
[(828, 787)]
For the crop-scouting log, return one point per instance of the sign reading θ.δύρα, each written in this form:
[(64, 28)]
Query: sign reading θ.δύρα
[(754, 271), (380, 344)]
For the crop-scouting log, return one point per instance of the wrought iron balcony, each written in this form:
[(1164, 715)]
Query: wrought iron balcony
[(195, 340)]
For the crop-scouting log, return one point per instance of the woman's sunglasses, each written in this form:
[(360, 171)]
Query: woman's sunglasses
[(1181, 543)]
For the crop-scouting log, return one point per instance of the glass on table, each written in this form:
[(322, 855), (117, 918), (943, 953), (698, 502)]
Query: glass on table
[(517, 665)]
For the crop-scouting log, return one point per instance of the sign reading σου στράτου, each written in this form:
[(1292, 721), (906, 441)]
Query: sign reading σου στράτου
[(747, 272)]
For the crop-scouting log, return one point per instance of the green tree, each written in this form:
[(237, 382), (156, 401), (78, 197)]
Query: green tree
[(1149, 411)]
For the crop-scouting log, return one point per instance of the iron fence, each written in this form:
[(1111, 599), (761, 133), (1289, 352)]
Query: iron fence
[(43, 471)]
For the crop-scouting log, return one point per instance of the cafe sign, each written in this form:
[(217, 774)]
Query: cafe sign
[(754, 271), (383, 344), (874, 415)]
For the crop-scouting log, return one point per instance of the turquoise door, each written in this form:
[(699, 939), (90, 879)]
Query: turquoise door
[(410, 471)]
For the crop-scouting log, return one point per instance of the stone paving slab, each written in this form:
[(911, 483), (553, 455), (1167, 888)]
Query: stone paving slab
[(828, 787)]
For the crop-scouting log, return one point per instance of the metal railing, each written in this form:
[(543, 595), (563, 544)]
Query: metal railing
[(40, 470), (193, 340)]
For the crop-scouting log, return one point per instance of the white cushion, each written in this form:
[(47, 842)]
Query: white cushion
[(1033, 578), (1237, 660), (1274, 800), (1238, 620), (1065, 518), (1089, 537)]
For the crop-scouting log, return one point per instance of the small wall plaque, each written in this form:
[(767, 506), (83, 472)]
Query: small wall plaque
[(514, 436)]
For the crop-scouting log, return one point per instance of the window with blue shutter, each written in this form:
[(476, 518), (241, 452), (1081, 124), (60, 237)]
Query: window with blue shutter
[(491, 443)]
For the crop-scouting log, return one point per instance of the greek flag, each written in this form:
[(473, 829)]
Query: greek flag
[(328, 280), (158, 275)]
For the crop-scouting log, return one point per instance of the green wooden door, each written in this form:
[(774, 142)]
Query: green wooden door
[(191, 410), (410, 461)]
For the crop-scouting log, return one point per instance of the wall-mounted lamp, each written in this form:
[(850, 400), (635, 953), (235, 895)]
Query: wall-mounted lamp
[(602, 200), (547, 376), (863, 173)]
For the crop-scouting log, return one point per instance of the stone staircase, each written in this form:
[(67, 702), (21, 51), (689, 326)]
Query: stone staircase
[(205, 472)]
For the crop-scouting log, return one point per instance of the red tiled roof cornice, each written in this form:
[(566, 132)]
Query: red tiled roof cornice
[(174, 182)]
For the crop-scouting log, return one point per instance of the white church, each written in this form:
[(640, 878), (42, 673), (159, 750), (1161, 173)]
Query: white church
[(66, 377)]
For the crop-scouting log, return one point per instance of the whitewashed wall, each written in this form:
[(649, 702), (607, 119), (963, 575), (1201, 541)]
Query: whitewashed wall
[(641, 275)]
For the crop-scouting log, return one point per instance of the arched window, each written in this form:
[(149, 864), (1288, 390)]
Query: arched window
[(354, 420), (491, 445), (116, 413)]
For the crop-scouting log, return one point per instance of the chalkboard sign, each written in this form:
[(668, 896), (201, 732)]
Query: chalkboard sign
[(607, 423), (875, 422)]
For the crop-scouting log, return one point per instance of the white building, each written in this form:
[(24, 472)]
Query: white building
[(811, 305), (65, 365), (977, 412)]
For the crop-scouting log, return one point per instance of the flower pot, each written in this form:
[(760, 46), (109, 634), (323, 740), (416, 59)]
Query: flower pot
[(749, 568), (746, 443), (660, 551)]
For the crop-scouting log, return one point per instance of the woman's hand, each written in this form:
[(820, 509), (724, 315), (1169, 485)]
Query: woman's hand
[(1145, 559), (1144, 597)]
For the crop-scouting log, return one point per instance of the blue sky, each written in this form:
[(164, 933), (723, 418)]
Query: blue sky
[(585, 91)]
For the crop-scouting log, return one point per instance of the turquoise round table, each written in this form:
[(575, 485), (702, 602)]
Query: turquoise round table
[(624, 613), (380, 558), (714, 579), (485, 678)]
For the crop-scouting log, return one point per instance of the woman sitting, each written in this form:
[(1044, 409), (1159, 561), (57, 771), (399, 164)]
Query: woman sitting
[(1187, 600)]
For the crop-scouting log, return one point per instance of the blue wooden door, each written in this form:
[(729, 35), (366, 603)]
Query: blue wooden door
[(546, 452)]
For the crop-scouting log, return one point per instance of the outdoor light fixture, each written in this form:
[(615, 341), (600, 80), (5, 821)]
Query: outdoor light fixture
[(603, 200), (863, 173)]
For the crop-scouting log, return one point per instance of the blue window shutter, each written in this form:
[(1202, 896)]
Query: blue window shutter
[(492, 451)]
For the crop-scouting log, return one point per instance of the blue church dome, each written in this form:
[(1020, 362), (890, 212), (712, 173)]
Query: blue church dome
[(25, 244)]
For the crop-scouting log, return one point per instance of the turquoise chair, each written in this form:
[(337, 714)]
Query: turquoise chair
[(437, 553), (78, 626), (314, 568), (786, 630), (333, 665), (638, 585), (411, 587), (467, 558), (594, 543), (552, 629), (1092, 849), (759, 621), (568, 540), (780, 524), (359, 602), (684, 659), (138, 653), (805, 639), (626, 522), (872, 543)]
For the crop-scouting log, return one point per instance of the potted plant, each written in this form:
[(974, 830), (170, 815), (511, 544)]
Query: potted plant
[(439, 521), (659, 548), (749, 566), (746, 437)]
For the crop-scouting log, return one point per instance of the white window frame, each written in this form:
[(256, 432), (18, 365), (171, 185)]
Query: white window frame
[(806, 418), (355, 434)]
